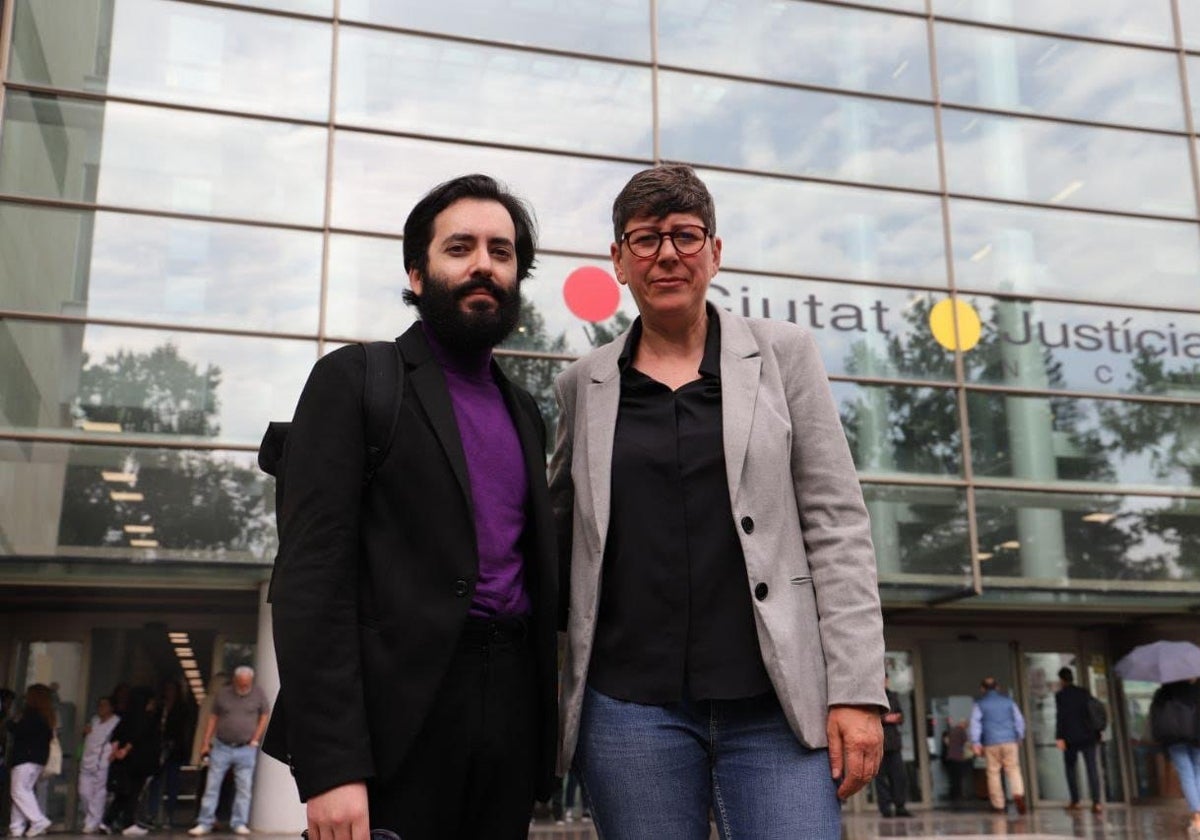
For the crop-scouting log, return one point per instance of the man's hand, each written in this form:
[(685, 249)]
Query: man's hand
[(1061, 744), (855, 746), (339, 813), (977, 749)]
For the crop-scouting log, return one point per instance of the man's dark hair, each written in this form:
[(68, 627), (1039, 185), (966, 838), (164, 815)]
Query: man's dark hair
[(989, 683), (658, 192), (418, 227), (1066, 675)]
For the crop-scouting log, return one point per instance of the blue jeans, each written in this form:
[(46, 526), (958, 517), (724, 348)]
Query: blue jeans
[(1186, 759), (655, 771), (222, 757)]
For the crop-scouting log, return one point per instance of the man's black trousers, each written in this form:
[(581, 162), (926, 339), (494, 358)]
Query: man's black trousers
[(470, 771)]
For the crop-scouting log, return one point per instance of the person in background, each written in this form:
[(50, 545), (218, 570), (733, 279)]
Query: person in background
[(997, 727), (31, 734), (891, 785), (93, 764), (956, 757), (174, 727), (1074, 735), (7, 700), (135, 756), (1174, 724), (231, 738)]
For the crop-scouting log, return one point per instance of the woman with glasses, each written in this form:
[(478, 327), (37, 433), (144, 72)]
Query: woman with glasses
[(725, 646)]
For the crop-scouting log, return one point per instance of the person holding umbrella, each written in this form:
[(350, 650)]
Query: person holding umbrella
[(1173, 710)]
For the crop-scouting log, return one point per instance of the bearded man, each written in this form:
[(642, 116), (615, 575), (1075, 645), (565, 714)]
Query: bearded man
[(414, 612)]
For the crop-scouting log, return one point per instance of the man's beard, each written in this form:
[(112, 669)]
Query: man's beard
[(472, 330)]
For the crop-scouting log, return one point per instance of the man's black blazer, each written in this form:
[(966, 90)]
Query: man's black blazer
[(371, 587)]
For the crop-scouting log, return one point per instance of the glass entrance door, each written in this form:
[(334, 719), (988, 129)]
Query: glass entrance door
[(952, 672)]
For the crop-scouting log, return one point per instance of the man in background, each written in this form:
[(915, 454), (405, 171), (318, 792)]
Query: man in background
[(231, 739), (1075, 736), (997, 728)]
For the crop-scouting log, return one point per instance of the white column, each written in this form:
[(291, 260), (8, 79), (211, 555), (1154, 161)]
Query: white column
[(276, 807)]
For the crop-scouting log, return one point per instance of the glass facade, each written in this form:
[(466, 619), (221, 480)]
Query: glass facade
[(987, 214)]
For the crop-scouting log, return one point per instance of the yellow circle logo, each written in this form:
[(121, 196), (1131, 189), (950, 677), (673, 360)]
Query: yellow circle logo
[(942, 324)]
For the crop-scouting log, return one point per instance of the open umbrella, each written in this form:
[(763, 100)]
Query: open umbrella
[(1160, 662)]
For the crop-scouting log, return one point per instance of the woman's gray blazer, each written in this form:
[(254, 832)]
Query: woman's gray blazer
[(797, 506)]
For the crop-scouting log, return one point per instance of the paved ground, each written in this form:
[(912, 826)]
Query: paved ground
[(1142, 822)]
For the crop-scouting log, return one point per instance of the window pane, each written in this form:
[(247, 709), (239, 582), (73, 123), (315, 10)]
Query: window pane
[(1053, 252), (1193, 72), (810, 43), (121, 380), (1067, 439), (135, 155), (919, 531), (306, 7), (1071, 346), (1071, 165), (115, 265), (778, 225), (1057, 77), (1139, 21), (618, 28), (874, 331), (470, 92), (1121, 539), (57, 500), (901, 430), (1189, 13), (706, 120), (376, 184), (176, 53)]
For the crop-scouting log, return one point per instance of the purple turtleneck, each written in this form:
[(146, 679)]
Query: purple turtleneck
[(499, 483)]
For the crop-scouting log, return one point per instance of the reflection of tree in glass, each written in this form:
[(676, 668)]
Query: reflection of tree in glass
[(916, 430), (600, 334), (1169, 436), (533, 374), (158, 392), (194, 500)]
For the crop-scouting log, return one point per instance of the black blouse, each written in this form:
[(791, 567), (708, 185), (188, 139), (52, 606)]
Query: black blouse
[(675, 607)]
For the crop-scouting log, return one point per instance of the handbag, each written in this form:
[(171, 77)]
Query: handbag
[(54, 761)]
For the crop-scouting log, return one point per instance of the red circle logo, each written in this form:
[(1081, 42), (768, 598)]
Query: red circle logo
[(592, 294)]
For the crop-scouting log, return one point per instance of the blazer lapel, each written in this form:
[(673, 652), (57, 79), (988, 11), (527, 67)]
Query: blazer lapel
[(602, 400), (429, 386), (741, 363)]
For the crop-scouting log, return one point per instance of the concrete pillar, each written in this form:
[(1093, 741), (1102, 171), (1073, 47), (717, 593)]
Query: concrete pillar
[(276, 807)]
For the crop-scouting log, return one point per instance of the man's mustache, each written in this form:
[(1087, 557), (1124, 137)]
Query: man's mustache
[(480, 282)]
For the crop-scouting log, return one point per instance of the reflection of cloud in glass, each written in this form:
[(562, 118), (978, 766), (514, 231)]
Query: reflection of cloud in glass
[(377, 180), (1057, 77), (1054, 252), (1126, 20), (219, 58), (199, 163), (492, 94), (616, 28), (1037, 160), (826, 231), (204, 273), (739, 124), (810, 43)]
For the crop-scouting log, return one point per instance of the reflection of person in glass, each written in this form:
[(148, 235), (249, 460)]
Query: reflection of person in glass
[(415, 615), (730, 654)]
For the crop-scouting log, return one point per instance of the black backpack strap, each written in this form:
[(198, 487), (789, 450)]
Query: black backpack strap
[(383, 389)]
